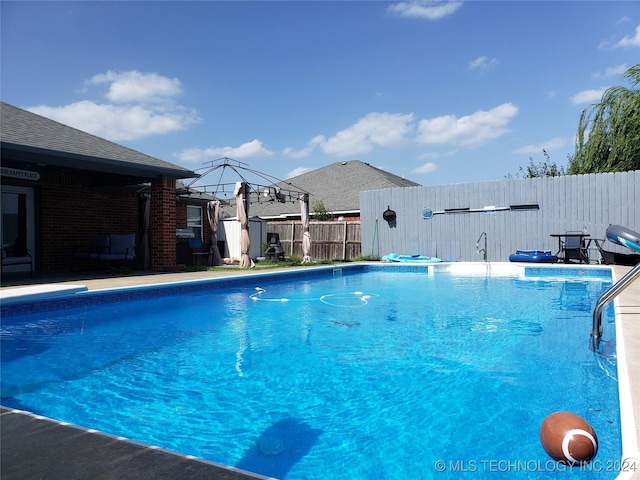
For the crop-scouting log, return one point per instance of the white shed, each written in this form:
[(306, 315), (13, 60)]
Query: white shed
[(229, 231)]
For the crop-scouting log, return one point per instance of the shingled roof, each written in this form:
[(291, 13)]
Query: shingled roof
[(338, 186), (28, 137)]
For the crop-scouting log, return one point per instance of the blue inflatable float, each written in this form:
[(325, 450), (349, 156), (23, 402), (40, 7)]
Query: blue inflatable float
[(533, 256), (394, 257)]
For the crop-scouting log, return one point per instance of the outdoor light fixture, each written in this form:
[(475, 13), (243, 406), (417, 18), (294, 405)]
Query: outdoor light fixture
[(389, 215)]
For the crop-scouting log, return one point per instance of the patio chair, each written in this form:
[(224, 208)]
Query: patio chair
[(615, 258), (198, 251), (274, 251), (20, 256), (122, 248), (574, 248), (99, 245)]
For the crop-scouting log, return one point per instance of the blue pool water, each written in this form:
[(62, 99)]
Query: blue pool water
[(376, 374)]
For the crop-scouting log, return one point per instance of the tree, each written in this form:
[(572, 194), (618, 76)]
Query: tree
[(320, 212), (542, 169), (609, 131)]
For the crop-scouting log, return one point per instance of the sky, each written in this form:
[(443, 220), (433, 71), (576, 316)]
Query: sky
[(437, 92)]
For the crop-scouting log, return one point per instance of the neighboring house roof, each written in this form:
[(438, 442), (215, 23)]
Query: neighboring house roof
[(28, 137), (338, 186)]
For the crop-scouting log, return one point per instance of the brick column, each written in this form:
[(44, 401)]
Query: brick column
[(162, 225)]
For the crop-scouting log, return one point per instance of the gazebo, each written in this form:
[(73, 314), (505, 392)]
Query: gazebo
[(241, 193)]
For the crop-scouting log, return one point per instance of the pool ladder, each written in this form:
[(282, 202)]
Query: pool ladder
[(482, 250), (611, 293)]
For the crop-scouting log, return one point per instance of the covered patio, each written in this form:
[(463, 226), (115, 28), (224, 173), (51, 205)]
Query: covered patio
[(68, 186)]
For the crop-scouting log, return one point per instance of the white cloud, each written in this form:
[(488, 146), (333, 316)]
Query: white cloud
[(298, 171), (469, 131), (428, 9), (626, 41), (254, 148), (306, 151), (119, 123), (374, 129), (611, 72), (425, 168), (553, 144), (483, 64), (588, 96), (133, 86), (396, 129), (629, 41), (432, 155), (140, 105)]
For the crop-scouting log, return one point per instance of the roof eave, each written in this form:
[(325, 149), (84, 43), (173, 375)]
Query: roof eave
[(84, 162)]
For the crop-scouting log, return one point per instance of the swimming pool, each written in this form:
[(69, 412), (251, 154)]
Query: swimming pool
[(372, 371)]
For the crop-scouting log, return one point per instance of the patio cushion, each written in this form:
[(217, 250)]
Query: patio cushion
[(16, 260), (123, 245)]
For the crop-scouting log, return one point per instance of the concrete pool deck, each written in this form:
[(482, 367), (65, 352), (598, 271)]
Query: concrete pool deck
[(71, 453)]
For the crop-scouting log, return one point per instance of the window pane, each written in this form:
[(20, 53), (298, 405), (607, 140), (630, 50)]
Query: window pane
[(194, 220), (194, 215)]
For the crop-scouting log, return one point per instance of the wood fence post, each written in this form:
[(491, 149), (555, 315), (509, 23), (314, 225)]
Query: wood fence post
[(293, 234), (344, 242)]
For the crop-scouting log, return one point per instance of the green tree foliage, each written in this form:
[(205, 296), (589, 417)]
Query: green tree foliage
[(320, 212), (608, 138), (542, 169)]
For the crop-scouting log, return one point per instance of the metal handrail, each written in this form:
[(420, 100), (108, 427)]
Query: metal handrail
[(611, 293), (483, 250)]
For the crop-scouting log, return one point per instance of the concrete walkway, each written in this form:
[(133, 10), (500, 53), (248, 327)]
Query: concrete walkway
[(34, 447), (627, 310)]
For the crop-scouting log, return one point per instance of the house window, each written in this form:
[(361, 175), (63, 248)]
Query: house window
[(194, 220)]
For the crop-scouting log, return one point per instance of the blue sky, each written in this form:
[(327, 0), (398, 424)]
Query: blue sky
[(437, 92)]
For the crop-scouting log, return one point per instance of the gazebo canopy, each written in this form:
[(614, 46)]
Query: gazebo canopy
[(241, 193), (220, 177)]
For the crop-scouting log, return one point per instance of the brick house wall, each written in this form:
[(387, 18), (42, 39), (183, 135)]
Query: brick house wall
[(69, 213), (181, 215), (162, 225)]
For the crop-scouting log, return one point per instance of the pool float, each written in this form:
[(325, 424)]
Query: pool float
[(394, 257), (533, 256), (623, 236)]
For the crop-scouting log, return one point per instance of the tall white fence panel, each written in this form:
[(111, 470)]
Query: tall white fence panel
[(514, 214)]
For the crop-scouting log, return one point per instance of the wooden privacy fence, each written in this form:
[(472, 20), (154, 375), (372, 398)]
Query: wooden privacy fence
[(329, 240)]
